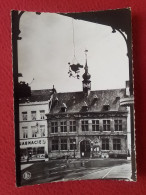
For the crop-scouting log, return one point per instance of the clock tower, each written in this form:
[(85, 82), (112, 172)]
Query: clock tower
[(86, 78)]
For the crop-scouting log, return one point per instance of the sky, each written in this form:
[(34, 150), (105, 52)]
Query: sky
[(47, 47)]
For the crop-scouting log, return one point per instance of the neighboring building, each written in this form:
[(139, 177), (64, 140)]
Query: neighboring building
[(33, 125), (88, 123)]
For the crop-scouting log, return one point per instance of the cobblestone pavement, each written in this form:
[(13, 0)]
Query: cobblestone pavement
[(76, 169), (116, 172)]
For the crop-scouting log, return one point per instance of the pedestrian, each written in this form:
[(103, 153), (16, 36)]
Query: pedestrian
[(67, 161), (28, 158)]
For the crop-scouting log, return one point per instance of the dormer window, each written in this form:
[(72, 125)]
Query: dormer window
[(95, 98), (63, 108), (56, 100), (106, 107), (117, 98), (85, 107)]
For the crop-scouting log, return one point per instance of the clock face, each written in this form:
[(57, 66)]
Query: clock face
[(86, 85)]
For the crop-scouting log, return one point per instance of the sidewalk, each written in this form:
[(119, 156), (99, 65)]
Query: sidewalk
[(116, 172), (24, 166)]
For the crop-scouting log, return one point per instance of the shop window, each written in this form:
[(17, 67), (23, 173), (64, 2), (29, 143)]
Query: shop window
[(34, 131), (23, 154), (118, 125), (34, 151), (54, 127), (72, 126), (40, 150), (95, 125), (106, 125), (55, 144), (29, 151), (33, 115), (42, 130), (24, 116), (63, 126), (42, 114), (105, 144), (25, 132), (116, 144), (72, 144), (85, 125), (63, 144)]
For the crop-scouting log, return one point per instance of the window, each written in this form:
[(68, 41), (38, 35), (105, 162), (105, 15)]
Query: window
[(33, 115), (72, 126), (42, 114), (25, 132), (54, 127), (63, 126), (85, 125), (72, 144), (55, 144), (23, 153), (24, 116), (34, 132), (42, 130), (106, 125), (63, 144), (34, 151), (95, 125), (118, 125), (105, 144), (116, 144), (40, 150), (63, 108), (106, 107)]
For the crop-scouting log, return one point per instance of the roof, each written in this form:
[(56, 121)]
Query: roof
[(94, 102), (37, 96)]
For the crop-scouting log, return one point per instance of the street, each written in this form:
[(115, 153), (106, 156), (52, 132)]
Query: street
[(75, 169)]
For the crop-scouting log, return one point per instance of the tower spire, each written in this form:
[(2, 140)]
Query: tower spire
[(86, 66), (86, 78)]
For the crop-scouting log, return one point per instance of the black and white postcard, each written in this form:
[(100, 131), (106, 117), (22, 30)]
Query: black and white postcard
[(73, 96)]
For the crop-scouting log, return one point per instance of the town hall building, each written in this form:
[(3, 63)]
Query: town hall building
[(88, 124)]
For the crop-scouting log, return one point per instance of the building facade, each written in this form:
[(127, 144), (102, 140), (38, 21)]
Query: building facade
[(88, 123), (33, 125)]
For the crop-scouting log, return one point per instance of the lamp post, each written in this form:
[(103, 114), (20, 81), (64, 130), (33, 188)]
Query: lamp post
[(74, 144), (92, 148)]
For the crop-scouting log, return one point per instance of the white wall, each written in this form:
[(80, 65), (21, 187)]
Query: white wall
[(28, 107)]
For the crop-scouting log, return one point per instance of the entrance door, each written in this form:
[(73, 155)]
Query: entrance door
[(85, 149)]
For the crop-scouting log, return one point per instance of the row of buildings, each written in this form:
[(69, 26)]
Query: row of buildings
[(85, 124)]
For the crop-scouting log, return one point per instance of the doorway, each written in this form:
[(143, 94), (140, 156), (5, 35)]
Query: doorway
[(85, 149)]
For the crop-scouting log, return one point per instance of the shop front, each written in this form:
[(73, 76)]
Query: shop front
[(34, 150)]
